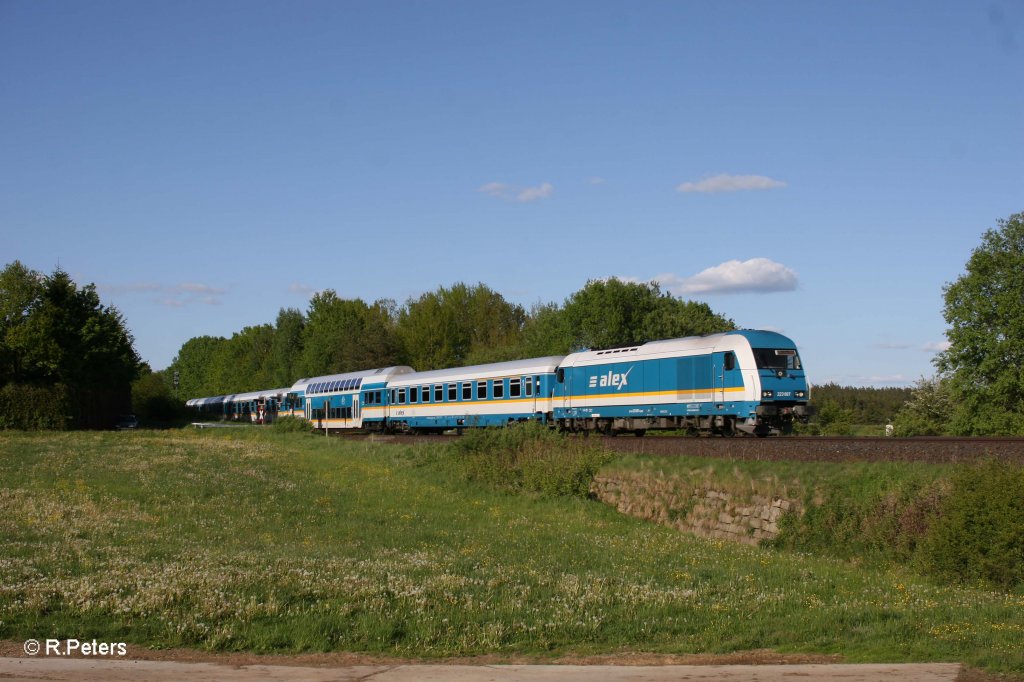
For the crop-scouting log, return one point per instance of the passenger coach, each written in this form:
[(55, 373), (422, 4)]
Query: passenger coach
[(352, 400), (483, 395)]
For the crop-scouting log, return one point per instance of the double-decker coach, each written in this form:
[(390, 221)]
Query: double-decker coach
[(346, 401)]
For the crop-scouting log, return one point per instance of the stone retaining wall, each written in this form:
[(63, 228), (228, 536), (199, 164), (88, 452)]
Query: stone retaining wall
[(699, 509)]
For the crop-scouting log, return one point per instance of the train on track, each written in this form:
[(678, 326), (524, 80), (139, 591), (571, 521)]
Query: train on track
[(739, 382)]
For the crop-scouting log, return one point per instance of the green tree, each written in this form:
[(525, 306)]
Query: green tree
[(985, 312), (674, 318), (545, 332), (243, 363), (20, 289), (607, 313), (460, 325), (287, 347), (58, 335), (346, 335), (195, 364)]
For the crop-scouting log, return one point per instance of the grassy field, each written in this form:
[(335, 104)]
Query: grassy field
[(285, 542)]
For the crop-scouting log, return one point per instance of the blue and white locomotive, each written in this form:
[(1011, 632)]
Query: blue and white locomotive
[(746, 381), (743, 381)]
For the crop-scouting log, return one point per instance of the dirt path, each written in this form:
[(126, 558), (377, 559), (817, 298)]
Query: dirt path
[(166, 665), (104, 670)]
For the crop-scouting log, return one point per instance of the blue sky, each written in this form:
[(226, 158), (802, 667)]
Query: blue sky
[(817, 168)]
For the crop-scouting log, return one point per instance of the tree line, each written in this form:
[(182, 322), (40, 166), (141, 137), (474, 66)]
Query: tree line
[(838, 409), (449, 327)]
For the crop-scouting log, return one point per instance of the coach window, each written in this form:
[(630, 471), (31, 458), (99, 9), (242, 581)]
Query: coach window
[(467, 391), (481, 390), (730, 361), (561, 375), (499, 389), (528, 381), (514, 388), (453, 392), (412, 394), (401, 396), (438, 393)]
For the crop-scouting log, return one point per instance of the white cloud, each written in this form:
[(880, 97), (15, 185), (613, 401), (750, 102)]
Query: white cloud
[(518, 193), (936, 346), (757, 275), (171, 295), (730, 183), (495, 189), (135, 288), (194, 288), (529, 194), (301, 289)]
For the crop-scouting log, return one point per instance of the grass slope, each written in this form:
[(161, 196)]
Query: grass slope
[(263, 542)]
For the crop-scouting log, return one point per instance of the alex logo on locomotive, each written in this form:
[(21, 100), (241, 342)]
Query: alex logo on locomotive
[(610, 379)]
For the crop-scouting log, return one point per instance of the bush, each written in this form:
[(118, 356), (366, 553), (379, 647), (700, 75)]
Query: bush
[(979, 534), (33, 408), (529, 457), (289, 424), (883, 521), (929, 410), (833, 420), (154, 403)]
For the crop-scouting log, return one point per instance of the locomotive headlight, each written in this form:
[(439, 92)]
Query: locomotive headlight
[(800, 394), (767, 394)]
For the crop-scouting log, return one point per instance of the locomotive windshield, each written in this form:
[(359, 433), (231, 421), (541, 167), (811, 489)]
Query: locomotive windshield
[(776, 358)]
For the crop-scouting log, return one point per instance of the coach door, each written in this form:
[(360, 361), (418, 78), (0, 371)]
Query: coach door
[(357, 413), (724, 366), (566, 375), (718, 377)]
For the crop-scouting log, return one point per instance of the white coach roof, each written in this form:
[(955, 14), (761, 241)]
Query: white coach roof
[(490, 371)]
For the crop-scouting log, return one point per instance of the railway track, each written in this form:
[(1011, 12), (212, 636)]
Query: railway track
[(796, 448), (834, 449)]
